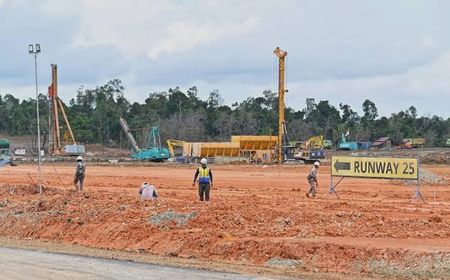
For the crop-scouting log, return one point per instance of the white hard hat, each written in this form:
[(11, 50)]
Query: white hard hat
[(79, 158), (317, 163), (203, 161)]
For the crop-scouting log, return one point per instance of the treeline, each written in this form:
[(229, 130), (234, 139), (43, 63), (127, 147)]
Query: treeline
[(94, 115)]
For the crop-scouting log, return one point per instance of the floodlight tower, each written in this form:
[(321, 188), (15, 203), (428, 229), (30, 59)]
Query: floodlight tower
[(35, 50)]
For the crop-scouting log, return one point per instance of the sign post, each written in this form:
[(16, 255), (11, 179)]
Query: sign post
[(376, 168)]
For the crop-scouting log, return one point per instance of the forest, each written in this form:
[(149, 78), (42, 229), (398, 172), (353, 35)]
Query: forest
[(94, 116)]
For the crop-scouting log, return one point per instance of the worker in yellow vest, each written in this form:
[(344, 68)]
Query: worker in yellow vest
[(205, 180)]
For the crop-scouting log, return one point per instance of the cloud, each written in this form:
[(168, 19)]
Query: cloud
[(424, 87), (186, 35), (154, 27), (395, 53)]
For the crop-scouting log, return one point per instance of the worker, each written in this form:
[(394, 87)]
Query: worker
[(79, 174), (312, 179), (148, 192), (205, 181)]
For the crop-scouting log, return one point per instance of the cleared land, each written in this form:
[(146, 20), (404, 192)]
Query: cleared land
[(259, 217)]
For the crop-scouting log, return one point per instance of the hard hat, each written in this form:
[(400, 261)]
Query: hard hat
[(79, 158), (203, 161), (316, 163)]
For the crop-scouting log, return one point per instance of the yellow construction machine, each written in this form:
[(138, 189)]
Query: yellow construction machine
[(310, 150), (171, 143)]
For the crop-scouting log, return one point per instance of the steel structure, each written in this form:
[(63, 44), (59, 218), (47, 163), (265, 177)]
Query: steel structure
[(55, 146), (281, 106)]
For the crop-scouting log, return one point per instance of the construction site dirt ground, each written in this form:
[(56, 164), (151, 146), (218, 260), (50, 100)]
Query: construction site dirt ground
[(258, 216)]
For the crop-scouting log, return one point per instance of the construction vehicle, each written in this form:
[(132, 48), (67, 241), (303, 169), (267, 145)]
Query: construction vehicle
[(171, 143), (327, 144), (4, 153), (353, 145), (310, 150), (315, 143), (55, 146), (347, 146), (153, 152), (410, 143), (185, 154), (309, 156), (447, 144)]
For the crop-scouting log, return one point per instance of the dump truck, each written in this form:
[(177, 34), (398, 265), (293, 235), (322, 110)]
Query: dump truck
[(410, 143)]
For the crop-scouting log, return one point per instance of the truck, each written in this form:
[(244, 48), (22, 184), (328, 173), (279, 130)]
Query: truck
[(327, 144), (410, 143), (5, 153), (309, 156), (307, 151), (154, 150)]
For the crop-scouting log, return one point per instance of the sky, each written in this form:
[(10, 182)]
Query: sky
[(395, 53)]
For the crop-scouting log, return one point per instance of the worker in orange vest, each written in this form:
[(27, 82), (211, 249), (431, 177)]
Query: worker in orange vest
[(205, 180)]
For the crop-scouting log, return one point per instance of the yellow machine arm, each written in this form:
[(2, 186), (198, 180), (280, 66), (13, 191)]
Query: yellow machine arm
[(174, 143), (315, 142)]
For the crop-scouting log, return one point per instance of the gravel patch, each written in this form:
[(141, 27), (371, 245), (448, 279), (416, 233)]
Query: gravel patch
[(430, 177), (277, 262), (426, 177), (170, 215), (428, 267)]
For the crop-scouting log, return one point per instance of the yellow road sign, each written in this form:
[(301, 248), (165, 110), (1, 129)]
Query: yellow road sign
[(373, 167)]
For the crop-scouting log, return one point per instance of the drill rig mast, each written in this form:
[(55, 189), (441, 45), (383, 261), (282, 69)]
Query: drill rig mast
[(55, 147), (281, 106)]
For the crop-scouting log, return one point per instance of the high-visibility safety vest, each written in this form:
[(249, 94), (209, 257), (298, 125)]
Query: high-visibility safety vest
[(203, 175)]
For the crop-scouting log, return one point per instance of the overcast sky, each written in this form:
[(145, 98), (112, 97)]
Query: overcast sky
[(396, 53)]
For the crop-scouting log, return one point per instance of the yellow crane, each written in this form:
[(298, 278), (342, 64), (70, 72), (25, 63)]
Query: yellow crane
[(281, 90)]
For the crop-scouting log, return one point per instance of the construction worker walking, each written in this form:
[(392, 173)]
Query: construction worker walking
[(79, 174), (312, 180), (205, 180)]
